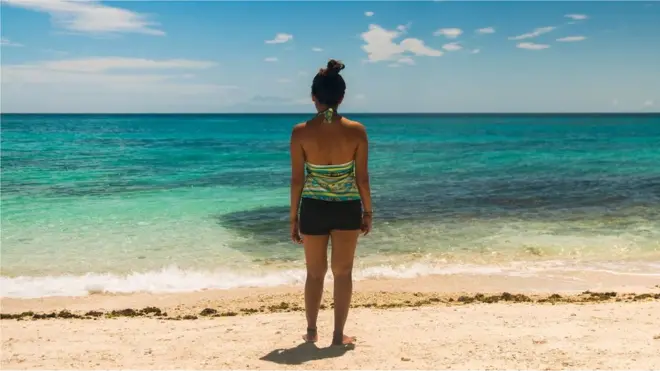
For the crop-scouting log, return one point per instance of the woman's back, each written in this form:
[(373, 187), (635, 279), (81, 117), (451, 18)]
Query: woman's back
[(330, 151), (330, 143)]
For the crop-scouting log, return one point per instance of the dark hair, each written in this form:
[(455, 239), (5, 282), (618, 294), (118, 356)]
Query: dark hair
[(328, 86)]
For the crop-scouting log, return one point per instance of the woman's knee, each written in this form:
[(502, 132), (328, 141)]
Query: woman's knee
[(342, 270), (317, 272)]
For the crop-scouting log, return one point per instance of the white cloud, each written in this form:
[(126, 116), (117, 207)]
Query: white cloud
[(401, 28), (532, 46), (417, 47), (576, 17), (486, 30), (7, 42), (90, 16), (476, 51), (615, 102), (368, 14), (452, 47), (63, 77), (648, 103), (537, 32), (40, 74), (569, 39), (406, 60), (450, 33), (283, 81), (103, 64), (380, 45), (270, 59), (280, 38), (317, 49)]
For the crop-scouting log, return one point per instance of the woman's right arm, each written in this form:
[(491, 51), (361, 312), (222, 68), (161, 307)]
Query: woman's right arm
[(362, 170)]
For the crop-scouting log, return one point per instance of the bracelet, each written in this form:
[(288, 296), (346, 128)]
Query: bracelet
[(369, 213)]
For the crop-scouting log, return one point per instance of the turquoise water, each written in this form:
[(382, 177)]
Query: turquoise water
[(124, 203)]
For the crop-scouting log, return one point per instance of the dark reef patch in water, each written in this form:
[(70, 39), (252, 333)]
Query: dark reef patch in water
[(268, 225), (528, 201)]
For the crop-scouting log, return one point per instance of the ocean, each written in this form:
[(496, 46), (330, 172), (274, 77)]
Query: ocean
[(173, 203)]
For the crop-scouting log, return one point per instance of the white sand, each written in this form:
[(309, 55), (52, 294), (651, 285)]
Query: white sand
[(441, 334), (481, 336)]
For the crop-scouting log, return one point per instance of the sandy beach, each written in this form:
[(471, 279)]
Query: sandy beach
[(399, 324)]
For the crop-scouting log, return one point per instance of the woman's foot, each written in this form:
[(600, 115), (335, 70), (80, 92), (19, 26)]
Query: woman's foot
[(311, 336), (341, 339)]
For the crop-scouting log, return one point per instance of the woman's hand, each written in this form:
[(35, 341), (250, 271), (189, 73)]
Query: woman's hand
[(366, 224), (295, 233)]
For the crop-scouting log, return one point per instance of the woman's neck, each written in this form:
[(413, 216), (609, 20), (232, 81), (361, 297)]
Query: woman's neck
[(327, 114), (320, 109)]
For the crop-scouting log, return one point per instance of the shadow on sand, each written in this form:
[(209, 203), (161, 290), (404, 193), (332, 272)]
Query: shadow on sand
[(305, 352)]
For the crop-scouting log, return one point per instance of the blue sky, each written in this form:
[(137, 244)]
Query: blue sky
[(423, 56)]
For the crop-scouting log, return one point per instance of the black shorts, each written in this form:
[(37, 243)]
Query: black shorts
[(319, 217)]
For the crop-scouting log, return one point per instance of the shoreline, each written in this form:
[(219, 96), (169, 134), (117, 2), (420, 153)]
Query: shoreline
[(584, 287), (551, 274)]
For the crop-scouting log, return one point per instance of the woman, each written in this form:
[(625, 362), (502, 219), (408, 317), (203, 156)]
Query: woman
[(330, 189)]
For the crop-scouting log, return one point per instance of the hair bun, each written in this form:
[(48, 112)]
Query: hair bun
[(334, 66)]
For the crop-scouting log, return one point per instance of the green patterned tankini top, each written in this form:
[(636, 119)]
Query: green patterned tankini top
[(331, 182)]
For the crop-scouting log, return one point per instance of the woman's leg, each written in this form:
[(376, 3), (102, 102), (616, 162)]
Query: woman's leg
[(316, 259), (344, 244)]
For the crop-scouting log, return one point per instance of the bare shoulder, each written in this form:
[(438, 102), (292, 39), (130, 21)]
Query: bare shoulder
[(298, 129), (300, 126), (355, 126)]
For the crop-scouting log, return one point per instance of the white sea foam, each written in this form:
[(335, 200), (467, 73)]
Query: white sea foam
[(173, 279)]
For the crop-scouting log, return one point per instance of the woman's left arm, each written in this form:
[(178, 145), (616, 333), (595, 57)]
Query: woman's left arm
[(297, 172)]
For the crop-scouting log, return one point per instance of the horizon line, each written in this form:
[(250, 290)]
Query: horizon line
[(347, 113)]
